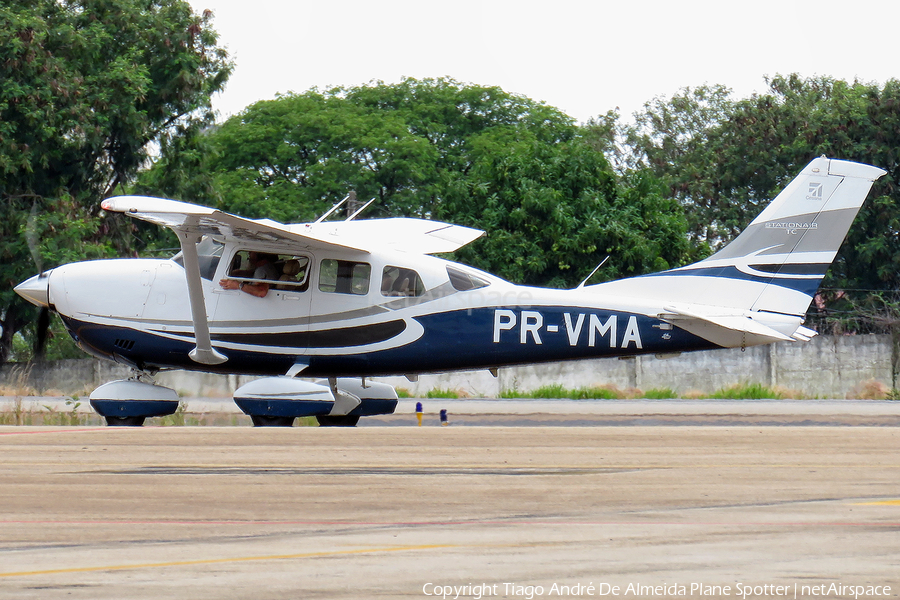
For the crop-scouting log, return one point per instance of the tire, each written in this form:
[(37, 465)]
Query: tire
[(124, 421), (338, 421), (270, 421)]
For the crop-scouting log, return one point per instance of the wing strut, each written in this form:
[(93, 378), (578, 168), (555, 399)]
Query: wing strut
[(203, 352)]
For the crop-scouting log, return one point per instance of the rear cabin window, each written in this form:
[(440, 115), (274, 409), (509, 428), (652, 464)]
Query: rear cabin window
[(462, 281), (344, 277), (285, 272), (397, 281)]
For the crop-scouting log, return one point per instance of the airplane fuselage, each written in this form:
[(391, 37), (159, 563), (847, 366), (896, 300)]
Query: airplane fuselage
[(367, 330)]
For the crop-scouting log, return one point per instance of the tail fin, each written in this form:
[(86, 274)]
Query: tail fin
[(789, 246), (771, 271)]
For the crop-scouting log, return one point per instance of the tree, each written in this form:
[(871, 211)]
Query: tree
[(468, 154), (85, 87), (753, 147), (554, 211), (676, 139), (291, 157)]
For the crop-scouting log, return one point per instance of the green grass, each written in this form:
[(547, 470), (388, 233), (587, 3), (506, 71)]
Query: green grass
[(597, 393), (660, 394), (554, 390), (558, 391), (439, 393), (746, 391)]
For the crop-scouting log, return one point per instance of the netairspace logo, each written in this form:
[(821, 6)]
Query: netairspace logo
[(738, 590)]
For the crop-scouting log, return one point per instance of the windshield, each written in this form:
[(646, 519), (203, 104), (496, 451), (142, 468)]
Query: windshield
[(209, 252)]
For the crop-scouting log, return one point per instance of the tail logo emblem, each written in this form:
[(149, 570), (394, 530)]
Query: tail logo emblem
[(815, 191)]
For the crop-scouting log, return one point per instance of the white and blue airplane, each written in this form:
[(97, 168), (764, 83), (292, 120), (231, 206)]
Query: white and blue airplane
[(348, 300)]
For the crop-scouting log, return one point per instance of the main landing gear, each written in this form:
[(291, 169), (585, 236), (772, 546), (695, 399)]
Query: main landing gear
[(336, 402), (127, 402), (269, 402)]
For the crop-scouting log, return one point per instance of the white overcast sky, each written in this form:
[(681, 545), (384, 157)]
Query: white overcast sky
[(583, 57)]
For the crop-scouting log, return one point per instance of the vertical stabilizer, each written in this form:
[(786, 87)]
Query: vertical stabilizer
[(790, 245), (761, 284)]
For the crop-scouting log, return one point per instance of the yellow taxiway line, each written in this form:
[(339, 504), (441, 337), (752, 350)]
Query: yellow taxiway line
[(212, 561)]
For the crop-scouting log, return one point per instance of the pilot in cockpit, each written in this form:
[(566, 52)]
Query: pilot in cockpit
[(262, 266)]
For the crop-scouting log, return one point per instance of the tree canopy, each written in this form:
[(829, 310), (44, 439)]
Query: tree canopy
[(436, 148), (85, 87), (735, 155)]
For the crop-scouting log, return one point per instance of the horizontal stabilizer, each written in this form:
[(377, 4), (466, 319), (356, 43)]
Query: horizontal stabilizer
[(804, 334), (725, 329)]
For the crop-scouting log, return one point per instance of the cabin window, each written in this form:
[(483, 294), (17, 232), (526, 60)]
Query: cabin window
[(344, 277), (397, 281), (287, 272), (462, 281), (209, 253)]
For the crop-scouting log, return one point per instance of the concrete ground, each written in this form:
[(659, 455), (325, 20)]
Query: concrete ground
[(404, 512)]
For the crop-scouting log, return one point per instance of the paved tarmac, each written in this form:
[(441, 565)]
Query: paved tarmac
[(403, 512)]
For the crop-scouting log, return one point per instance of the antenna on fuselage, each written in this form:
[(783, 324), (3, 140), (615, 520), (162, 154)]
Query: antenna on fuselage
[(350, 196), (362, 208), (597, 268)]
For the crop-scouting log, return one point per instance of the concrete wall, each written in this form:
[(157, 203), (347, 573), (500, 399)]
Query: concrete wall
[(826, 367)]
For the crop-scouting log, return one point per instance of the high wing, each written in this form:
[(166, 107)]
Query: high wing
[(191, 221), (202, 220), (407, 235)]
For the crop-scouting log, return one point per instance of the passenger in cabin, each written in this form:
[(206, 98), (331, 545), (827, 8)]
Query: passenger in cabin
[(263, 268), (398, 282), (386, 282), (291, 273), (401, 287)]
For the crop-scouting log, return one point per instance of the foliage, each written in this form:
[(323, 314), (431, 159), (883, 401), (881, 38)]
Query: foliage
[(660, 394), (439, 393), (553, 212), (435, 148), (724, 160), (85, 87), (559, 391), (747, 391), (291, 157)]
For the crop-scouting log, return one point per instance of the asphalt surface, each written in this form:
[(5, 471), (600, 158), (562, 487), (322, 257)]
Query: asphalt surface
[(408, 512)]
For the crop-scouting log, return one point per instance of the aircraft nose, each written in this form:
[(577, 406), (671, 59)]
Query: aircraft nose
[(36, 290)]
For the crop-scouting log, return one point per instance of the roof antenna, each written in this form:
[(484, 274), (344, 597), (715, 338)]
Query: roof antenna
[(597, 268), (351, 195), (362, 208)]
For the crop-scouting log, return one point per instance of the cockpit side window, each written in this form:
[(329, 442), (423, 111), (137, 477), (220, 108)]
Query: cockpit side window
[(209, 253), (462, 281), (397, 281), (344, 277), (286, 272)]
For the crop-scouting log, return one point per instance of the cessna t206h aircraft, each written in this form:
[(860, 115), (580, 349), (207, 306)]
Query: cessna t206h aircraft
[(343, 301)]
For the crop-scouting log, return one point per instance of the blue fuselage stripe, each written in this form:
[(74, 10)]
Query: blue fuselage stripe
[(808, 286), (462, 339)]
